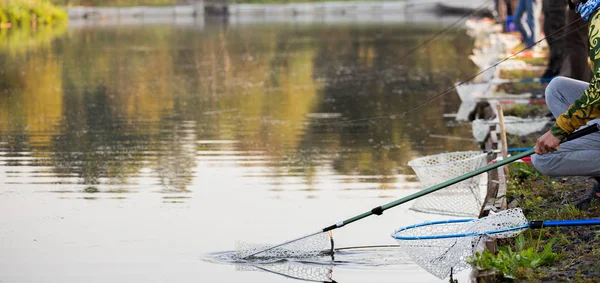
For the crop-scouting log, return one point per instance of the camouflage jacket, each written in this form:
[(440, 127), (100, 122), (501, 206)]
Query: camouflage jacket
[(587, 107)]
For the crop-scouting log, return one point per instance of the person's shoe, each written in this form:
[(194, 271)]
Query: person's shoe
[(593, 195)]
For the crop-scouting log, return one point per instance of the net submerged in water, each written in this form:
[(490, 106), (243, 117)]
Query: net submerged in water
[(294, 270), (461, 199), (311, 246)]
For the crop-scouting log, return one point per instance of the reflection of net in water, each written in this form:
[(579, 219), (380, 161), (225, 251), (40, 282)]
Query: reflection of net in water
[(461, 199), (320, 268), (294, 270)]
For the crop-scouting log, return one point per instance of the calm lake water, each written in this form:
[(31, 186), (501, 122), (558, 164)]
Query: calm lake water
[(130, 152)]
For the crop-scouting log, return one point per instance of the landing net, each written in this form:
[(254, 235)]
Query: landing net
[(312, 246), (461, 199), (444, 246), (513, 125)]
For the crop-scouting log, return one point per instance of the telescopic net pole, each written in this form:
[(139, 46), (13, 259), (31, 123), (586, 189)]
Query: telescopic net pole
[(380, 209)]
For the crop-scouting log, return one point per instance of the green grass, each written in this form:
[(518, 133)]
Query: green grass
[(526, 110), (30, 12), (519, 260), (547, 198)]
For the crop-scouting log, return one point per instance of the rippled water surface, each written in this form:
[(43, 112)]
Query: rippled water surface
[(130, 152)]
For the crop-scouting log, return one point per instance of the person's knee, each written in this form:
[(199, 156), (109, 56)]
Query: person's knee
[(553, 89)]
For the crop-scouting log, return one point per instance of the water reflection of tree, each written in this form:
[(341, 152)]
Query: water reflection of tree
[(30, 95), (128, 98), (20, 40), (366, 74), (94, 141), (123, 109), (359, 72)]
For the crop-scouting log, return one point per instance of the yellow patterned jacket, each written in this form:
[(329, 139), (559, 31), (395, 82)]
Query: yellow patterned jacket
[(587, 107)]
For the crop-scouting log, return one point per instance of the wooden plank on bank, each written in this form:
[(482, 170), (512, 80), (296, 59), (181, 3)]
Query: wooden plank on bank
[(496, 192)]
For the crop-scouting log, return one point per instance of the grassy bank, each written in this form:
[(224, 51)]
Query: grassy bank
[(573, 251), (568, 254), (30, 12)]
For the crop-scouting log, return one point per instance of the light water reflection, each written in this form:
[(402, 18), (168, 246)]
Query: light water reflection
[(126, 125)]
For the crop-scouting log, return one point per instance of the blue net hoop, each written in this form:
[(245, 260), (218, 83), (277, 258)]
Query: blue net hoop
[(398, 233), (441, 247)]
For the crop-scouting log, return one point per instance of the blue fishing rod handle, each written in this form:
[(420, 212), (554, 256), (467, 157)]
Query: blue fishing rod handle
[(518, 149), (535, 80), (574, 222)]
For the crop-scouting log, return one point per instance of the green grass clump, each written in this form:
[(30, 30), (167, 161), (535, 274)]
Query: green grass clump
[(526, 110), (519, 263), (523, 171), (30, 12)]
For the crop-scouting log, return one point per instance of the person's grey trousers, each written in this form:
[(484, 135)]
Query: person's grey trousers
[(579, 157)]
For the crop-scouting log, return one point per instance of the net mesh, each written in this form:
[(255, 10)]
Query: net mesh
[(440, 256), (513, 125), (306, 247), (461, 199), (312, 273)]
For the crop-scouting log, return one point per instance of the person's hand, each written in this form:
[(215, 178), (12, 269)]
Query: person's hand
[(546, 143)]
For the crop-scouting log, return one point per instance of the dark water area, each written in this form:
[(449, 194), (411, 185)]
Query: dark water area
[(128, 152)]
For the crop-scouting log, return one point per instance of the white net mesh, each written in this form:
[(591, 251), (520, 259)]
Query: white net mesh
[(440, 256), (513, 125), (461, 199), (312, 273), (307, 247)]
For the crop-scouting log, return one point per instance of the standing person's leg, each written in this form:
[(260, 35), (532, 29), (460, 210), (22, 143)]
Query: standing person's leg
[(535, 9), (502, 13), (510, 8), (575, 57), (499, 10), (532, 10), (577, 157), (518, 20), (554, 21)]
